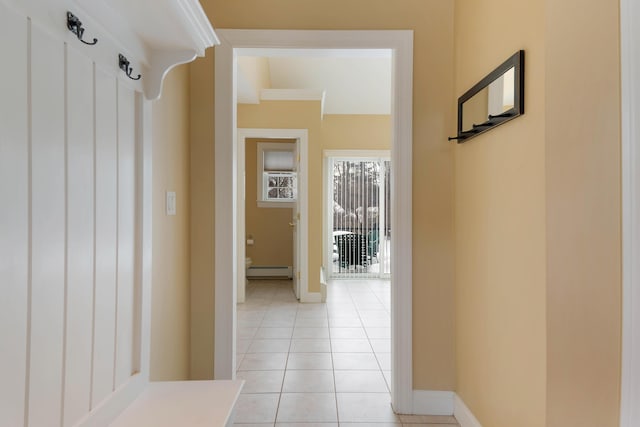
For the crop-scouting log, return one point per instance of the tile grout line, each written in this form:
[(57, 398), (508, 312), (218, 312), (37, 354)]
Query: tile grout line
[(284, 375), (333, 367), (270, 307)]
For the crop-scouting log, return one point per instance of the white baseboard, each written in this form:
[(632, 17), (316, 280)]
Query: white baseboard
[(256, 271), (463, 414), (428, 402)]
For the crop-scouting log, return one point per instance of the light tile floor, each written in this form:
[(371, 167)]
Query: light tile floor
[(324, 365)]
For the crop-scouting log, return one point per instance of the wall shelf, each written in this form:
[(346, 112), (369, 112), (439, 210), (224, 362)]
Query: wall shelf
[(155, 35)]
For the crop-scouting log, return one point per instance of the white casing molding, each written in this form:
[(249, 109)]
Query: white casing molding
[(358, 154), (463, 414), (630, 68), (155, 35), (428, 402), (235, 42), (226, 208)]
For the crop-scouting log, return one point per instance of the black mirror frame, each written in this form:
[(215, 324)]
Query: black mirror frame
[(515, 61)]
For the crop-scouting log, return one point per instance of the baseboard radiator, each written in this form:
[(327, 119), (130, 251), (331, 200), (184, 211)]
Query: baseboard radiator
[(264, 272)]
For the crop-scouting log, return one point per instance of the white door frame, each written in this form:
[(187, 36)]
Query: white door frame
[(302, 140), (630, 70), (400, 42)]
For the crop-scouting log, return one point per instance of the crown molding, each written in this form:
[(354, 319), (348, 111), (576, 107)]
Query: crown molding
[(294, 95)]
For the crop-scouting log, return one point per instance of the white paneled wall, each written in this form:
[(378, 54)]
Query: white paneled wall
[(69, 229), (47, 177), (106, 232), (14, 218), (126, 235), (80, 224)]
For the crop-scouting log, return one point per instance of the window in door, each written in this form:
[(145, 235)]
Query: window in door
[(277, 177)]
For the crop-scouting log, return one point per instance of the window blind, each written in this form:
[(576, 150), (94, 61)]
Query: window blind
[(278, 160)]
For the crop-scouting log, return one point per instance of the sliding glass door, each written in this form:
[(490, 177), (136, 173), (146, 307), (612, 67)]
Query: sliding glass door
[(359, 217)]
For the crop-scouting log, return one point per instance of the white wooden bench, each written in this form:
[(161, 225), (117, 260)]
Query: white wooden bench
[(183, 404)]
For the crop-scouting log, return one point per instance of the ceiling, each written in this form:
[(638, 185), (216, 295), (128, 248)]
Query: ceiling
[(346, 81)]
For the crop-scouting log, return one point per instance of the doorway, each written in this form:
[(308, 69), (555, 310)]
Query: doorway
[(357, 201), (299, 210), (226, 184)]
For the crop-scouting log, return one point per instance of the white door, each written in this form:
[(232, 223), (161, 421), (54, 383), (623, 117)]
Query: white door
[(295, 220)]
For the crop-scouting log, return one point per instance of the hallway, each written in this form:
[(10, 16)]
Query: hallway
[(319, 364)]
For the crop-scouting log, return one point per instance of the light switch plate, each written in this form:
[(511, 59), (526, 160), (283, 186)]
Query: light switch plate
[(171, 203)]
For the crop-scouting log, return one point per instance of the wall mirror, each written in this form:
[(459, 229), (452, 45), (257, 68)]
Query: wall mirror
[(494, 100)]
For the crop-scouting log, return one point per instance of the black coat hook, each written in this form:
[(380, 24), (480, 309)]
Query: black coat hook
[(465, 134), (75, 26), (124, 66)]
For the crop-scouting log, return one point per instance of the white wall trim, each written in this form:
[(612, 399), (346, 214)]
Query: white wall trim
[(267, 271), (401, 223), (630, 69), (358, 154), (429, 402), (327, 212), (400, 42), (226, 187), (463, 414), (295, 95)]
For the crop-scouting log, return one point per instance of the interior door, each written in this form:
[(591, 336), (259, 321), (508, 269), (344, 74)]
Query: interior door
[(294, 225)]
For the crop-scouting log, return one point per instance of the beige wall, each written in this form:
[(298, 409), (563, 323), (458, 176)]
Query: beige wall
[(538, 218), (500, 225), (268, 227), (356, 132), (170, 294), (202, 218), (432, 22), (583, 213)]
